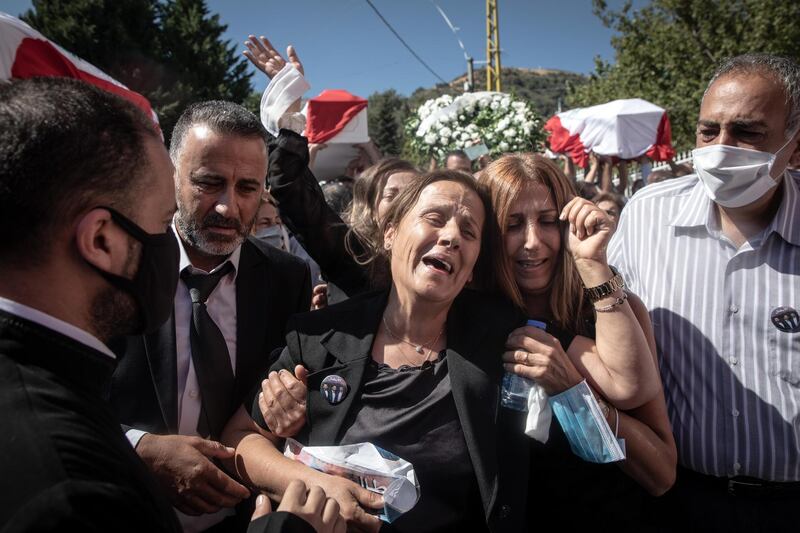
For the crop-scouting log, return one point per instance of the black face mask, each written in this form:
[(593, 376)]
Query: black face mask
[(153, 286)]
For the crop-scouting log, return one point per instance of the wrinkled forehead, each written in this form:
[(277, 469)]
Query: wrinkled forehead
[(454, 197), (752, 96)]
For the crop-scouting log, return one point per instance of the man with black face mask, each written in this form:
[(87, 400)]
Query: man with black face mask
[(175, 388), (716, 258), (86, 254)]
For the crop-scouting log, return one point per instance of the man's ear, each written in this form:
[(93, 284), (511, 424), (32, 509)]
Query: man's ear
[(794, 160), (101, 242)]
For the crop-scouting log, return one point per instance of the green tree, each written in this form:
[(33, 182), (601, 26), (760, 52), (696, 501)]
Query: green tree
[(667, 51), (386, 113), (170, 51), (115, 36)]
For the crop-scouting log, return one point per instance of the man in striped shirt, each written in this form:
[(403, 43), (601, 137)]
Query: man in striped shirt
[(716, 258)]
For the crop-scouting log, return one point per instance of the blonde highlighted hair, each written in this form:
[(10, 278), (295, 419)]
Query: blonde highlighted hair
[(362, 215), (506, 178)]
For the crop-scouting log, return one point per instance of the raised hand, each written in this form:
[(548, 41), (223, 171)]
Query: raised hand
[(266, 58), (183, 465), (590, 229)]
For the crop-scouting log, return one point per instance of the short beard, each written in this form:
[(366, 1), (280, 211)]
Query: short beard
[(114, 312), (193, 231)]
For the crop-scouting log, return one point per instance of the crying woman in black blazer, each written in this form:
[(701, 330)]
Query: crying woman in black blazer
[(422, 367)]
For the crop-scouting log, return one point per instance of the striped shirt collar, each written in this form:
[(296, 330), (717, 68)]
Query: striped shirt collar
[(698, 210)]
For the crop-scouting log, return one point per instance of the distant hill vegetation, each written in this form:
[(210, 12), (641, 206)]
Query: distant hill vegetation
[(543, 88)]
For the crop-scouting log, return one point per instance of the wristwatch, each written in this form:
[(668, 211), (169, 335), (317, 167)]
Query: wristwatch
[(606, 289)]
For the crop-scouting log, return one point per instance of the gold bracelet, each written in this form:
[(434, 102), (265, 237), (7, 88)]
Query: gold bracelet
[(616, 303), (606, 289)]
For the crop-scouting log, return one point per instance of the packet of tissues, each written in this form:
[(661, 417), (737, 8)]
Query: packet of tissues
[(371, 467)]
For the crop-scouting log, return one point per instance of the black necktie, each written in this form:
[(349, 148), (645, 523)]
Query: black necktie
[(212, 362)]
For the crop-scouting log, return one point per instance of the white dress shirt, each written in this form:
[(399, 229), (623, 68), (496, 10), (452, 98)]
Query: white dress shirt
[(221, 306), (51, 322), (731, 375)]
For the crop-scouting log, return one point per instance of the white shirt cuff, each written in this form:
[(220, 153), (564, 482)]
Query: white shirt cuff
[(283, 90), (134, 436)]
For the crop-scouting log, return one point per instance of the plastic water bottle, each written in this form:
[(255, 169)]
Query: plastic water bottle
[(515, 389)]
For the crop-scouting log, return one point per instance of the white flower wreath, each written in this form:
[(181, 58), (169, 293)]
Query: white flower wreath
[(499, 121)]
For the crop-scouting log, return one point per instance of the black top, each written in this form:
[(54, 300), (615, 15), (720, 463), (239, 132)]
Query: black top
[(338, 341), (581, 494), (410, 412)]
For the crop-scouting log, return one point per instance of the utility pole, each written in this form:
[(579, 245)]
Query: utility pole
[(470, 85), (492, 47)]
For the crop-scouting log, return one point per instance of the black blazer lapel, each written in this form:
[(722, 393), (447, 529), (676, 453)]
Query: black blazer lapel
[(255, 298), (474, 365), (352, 352), (163, 361)]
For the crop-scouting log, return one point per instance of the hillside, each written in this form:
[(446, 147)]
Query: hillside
[(388, 111), (541, 87)]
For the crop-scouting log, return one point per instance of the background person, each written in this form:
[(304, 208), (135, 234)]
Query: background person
[(458, 160), (339, 247), (612, 204)]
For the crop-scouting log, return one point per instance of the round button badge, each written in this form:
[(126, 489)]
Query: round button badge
[(786, 319), (334, 389)]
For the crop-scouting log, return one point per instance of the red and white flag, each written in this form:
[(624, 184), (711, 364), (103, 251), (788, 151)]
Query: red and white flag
[(333, 113), (338, 119), (26, 53), (625, 129)]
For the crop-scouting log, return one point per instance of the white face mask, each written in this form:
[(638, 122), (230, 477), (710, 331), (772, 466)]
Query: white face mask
[(275, 236), (733, 176)]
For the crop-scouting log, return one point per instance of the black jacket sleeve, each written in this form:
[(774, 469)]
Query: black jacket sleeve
[(302, 205)]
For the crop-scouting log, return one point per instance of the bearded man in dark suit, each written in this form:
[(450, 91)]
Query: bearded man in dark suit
[(176, 388)]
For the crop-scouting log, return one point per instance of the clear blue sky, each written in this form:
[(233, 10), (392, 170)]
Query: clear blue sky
[(344, 45)]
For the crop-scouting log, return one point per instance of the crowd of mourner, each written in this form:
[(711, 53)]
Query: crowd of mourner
[(540, 349)]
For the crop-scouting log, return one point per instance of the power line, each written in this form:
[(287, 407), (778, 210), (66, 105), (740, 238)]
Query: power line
[(375, 9), (452, 28)]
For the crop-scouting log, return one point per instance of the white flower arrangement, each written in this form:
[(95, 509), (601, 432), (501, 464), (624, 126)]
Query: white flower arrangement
[(499, 121)]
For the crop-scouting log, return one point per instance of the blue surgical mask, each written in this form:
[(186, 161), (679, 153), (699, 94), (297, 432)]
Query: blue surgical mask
[(585, 427)]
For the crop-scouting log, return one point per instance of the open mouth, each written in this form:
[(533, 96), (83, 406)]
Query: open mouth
[(438, 264), (531, 263)]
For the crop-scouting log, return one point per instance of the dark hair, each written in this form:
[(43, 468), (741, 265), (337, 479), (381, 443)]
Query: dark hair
[(782, 69), (659, 175), (585, 189), (221, 117), (338, 195), (605, 196), (491, 248), (65, 146), (456, 153)]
